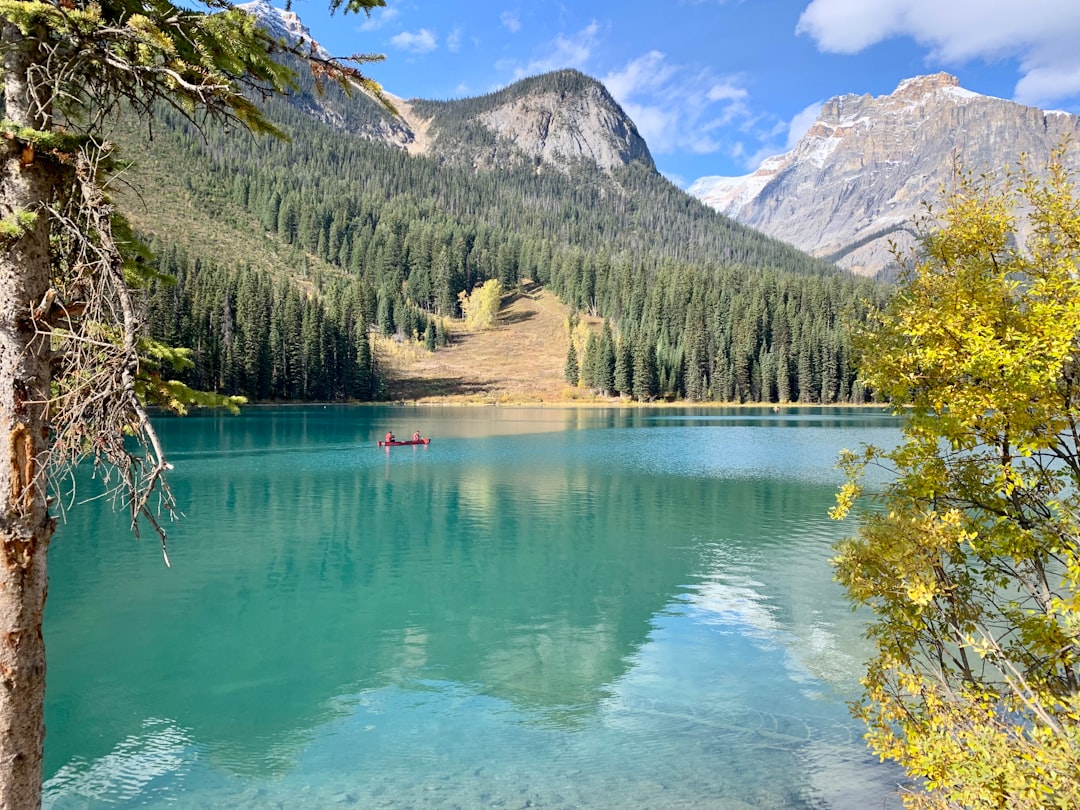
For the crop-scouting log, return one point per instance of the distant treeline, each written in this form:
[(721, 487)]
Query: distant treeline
[(262, 338)]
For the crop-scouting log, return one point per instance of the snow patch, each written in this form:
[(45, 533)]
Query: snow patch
[(818, 150), (729, 195), (284, 25), (961, 93)]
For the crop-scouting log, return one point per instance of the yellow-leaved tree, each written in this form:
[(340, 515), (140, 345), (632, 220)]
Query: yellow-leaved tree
[(970, 556), (481, 307)]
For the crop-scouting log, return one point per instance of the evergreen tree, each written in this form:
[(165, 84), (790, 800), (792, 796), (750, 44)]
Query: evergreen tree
[(571, 372), (604, 374), (591, 362), (646, 383), (624, 368)]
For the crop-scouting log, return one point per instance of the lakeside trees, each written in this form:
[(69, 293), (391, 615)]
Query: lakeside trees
[(972, 565), (74, 371), (264, 339)]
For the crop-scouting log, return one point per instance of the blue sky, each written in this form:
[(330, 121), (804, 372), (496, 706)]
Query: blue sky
[(716, 85)]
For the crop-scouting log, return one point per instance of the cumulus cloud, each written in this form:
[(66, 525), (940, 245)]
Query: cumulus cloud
[(1040, 35), (422, 41)]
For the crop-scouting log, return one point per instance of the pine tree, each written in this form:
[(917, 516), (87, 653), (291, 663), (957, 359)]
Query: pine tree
[(590, 362), (604, 374)]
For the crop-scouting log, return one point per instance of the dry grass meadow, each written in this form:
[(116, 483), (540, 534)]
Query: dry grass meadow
[(520, 360)]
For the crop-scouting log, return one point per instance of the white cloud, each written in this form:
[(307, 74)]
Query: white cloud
[(726, 91), (1040, 34), (782, 137), (1042, 86), (675, 107), (564, 52), (511, 21), (647, 73), (453, 41), (379, 18), (422, 41), (801, 123)]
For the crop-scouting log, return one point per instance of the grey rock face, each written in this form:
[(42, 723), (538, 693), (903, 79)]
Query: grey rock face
[(559, 128), (860, 176)]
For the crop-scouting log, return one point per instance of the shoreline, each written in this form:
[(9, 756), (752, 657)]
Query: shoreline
[(549, 403)]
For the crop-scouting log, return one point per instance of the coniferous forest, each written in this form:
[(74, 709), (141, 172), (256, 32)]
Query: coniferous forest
[(374, 240)]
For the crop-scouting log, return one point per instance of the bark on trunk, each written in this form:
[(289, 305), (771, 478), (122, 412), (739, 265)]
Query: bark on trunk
[(26, 181)]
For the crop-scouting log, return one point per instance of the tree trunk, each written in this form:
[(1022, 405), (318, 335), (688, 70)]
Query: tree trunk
[(26, 182)]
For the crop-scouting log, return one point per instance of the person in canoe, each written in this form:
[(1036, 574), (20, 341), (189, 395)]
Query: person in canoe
[(416, 436), (390, 436)]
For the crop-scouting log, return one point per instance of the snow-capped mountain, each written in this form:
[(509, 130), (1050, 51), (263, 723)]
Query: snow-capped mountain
[(861, 174), (284, 25)]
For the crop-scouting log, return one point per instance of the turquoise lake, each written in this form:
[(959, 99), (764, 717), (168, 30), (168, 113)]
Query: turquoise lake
[(545, 608)]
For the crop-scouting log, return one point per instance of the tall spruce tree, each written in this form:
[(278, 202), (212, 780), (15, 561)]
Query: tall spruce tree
[(571, 369)]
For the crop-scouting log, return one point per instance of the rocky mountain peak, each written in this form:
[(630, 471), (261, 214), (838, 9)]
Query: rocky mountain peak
[(858, 178), (565, 117), (920, 86), (284, 25), (560, 120)]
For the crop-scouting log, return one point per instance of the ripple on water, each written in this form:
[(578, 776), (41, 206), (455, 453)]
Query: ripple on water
[(140, 766)]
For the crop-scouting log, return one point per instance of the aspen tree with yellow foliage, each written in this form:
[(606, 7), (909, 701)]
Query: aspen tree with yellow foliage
[(481, 307), (969, 557)]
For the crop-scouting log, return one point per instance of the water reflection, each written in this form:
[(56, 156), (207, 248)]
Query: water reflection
[(551, 595)]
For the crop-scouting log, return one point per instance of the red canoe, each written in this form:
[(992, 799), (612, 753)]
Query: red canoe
[(398, 444)]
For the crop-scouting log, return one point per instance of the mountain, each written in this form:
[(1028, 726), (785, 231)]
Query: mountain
[(559, 119), (305, 266), (284, 25), (860, 175)]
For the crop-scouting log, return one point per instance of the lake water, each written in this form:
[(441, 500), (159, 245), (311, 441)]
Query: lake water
[(627, 608)]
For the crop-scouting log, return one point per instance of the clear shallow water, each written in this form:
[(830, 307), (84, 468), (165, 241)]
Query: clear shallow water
[(543, 608)]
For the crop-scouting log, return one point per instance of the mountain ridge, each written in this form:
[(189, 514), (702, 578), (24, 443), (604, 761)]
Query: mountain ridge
[(858, 178), (556, 119)]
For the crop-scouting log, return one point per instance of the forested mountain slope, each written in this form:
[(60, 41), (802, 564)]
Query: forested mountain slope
[(317, 239)]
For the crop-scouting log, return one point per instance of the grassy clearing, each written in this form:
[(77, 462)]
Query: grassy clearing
[(519, 361)]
